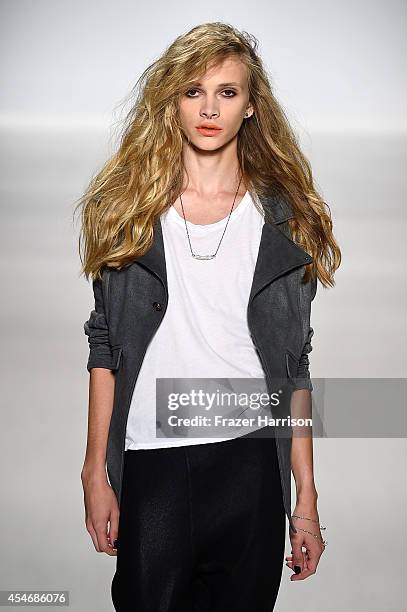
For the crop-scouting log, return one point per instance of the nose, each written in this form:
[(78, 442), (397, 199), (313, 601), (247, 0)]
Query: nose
[(209, 110), (209, 114)]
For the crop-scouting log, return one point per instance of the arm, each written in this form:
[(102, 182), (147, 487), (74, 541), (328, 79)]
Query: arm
[(101, 391), (302, 447), (100, 501), (301, 407), (302, 463), (302, 455), (307, 496)]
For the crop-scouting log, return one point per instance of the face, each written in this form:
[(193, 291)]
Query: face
[(220, 99)]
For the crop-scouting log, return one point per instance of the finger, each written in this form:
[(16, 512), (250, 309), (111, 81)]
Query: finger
[(288, 558), (305, 574), (113, 529), (297, 559), (92, 533), (304, 560), (102, 537), (314, 555)]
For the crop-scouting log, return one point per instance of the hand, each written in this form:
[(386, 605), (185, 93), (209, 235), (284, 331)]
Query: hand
[(101, 509), (307, 560)]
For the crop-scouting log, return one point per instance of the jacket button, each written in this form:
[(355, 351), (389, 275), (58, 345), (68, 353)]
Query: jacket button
[(157, 306)]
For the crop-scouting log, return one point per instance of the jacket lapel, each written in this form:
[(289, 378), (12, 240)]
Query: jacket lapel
[(277, 252), (154, 258)]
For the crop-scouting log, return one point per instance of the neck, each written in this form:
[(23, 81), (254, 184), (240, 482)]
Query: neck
[(210, 174)]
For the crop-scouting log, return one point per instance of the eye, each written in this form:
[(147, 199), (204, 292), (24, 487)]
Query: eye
[(225, 91), (188, 92), (232, 91)]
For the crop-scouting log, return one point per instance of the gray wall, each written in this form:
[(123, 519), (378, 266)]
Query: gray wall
[(337, 69)]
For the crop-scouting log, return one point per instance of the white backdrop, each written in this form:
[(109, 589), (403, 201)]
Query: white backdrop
[(337, 70)]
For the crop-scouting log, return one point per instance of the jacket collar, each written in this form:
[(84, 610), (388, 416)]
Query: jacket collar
[(277, 252)]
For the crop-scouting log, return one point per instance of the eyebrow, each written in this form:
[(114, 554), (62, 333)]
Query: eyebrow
[(220, 84)]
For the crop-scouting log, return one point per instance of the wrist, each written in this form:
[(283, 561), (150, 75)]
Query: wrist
[(93, 471), (307, 496)]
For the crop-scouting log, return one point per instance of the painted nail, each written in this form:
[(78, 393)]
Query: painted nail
[(297, 569)]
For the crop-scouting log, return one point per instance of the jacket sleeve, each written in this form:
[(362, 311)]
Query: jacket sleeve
[(303, 379), (96, 328)]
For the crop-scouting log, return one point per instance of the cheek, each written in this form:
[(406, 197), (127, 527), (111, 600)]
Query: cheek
[(234, 122), (187, 113), (233, 114)]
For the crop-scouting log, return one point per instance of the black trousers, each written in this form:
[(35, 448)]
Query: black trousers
[(201, 528)]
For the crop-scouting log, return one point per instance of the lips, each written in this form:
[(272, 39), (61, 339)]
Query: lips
[(208, 130)]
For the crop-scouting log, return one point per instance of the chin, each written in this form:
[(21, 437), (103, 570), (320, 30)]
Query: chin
[(207, 145)]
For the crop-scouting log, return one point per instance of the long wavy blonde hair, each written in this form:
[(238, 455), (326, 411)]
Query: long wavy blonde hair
[(144, 177)]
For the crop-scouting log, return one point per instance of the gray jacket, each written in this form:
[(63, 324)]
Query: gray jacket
[(131, 303)]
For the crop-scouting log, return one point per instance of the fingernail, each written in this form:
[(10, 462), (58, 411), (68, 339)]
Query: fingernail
[(297, 569), (115, 544)]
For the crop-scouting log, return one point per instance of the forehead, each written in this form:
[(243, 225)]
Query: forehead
[(228, 71)]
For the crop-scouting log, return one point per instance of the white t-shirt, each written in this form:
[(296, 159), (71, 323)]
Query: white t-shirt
[(204, 332)]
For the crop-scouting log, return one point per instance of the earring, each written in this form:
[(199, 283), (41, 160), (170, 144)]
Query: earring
[(246, 115)]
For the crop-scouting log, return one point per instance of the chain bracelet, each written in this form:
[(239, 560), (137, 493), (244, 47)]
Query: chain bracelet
[(315, 535), (309, 519)]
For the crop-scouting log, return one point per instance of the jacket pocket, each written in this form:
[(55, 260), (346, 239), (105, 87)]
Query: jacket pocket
[(117, 351)]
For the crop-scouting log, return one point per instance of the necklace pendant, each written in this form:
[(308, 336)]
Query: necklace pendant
[(203, 256), (207, 257)]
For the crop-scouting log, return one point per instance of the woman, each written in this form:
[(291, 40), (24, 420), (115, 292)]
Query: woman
[(205, 237)]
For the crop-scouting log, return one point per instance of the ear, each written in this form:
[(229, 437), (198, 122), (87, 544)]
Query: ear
[(249, 110)]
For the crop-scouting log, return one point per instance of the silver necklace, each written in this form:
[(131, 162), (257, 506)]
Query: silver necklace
[(195, 255)]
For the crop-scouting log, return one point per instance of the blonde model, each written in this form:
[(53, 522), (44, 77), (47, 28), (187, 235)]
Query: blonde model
[(205, 238)]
